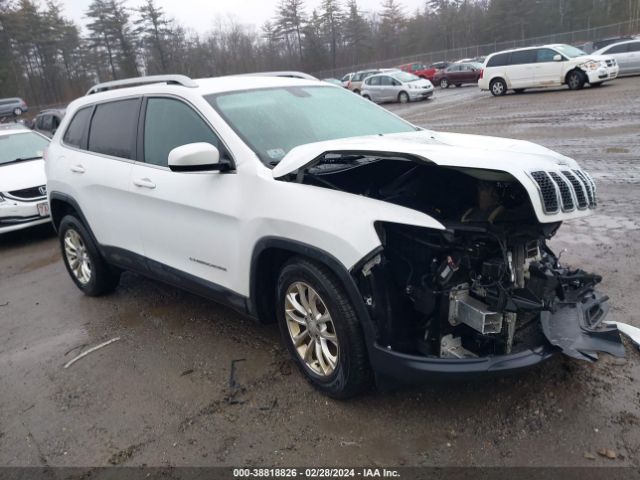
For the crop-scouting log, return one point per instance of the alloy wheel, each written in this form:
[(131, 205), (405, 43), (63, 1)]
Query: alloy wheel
[(498, 88), (77, 256), (311, 329)]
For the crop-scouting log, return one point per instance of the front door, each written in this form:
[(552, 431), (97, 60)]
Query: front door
[(548, 72), (188, 221)]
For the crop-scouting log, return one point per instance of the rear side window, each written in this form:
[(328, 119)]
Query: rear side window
[(499, 60), (74, 135), (113, 128), (618, 48), (634, 47), (373, 81), (169, 124), (523, 57)]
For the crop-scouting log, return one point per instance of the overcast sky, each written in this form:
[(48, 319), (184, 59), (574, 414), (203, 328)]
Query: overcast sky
[(199, 14)]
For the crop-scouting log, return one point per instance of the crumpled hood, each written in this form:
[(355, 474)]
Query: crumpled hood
[(16, 176), (445, 149)]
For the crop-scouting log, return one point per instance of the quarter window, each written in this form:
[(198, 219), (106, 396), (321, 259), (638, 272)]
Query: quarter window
[(169, 124), (634, 47), (74, 136), (114, 127), (499, 60)]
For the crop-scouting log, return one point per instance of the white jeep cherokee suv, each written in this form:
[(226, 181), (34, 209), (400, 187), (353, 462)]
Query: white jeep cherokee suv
[(384, 251)]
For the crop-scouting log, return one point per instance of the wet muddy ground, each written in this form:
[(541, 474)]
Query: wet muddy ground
[(162, 395)]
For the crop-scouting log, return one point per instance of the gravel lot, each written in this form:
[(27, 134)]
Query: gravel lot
[(161, 395)]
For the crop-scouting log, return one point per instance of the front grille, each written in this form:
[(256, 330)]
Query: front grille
[(565, 191), (611, 63), (547, 191), (29, 193), (579, 188)]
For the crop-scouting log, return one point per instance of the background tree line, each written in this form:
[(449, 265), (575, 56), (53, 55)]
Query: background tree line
[(46, 58)]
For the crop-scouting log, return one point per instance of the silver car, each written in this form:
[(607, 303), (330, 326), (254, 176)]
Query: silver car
[(626, 53), (396, 86), (12, 107)]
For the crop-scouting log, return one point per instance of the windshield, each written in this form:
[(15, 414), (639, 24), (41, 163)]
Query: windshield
[(21, 146), (569, 51), (405, 77), (272, 121)]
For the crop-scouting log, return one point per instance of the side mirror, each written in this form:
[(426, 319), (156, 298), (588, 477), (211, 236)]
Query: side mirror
[(557, 58), (196, 157)]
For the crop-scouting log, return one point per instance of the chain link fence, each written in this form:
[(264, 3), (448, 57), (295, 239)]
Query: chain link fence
[(581, 38)]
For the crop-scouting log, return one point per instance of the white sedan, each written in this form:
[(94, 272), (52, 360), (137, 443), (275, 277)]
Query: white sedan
[(23, 193)]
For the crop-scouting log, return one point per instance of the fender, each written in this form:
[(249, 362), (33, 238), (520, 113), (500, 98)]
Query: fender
[(321, 256)]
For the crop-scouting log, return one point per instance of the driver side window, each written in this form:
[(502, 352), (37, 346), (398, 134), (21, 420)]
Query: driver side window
[(170, 123)]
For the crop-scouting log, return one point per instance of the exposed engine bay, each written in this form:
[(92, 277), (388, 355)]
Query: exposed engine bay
[(487, 285)]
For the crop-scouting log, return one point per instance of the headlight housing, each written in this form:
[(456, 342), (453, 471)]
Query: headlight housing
[(591, 65)]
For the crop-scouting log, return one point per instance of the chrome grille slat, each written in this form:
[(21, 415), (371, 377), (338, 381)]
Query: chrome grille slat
[(565, 191), (579, 188), (28, 194), (591, 187), (548, 191)]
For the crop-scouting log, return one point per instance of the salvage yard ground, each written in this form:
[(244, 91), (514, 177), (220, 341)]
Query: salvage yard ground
[(166, 393)]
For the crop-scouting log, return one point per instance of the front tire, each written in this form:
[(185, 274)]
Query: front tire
[(83, 261), (576, 80), (17, 112), (403, 97), (321, 330), (498, 87)]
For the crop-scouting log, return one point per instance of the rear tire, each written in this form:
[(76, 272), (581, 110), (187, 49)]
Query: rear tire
[(321, 330), (403, 97), (576, 80), (83, 261), (444, 83), (498, 87), (356, 91)]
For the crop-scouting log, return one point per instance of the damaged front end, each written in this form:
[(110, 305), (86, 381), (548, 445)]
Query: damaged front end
[(486, 294)]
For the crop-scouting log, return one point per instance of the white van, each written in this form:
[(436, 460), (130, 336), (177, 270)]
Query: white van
[(545, 66)]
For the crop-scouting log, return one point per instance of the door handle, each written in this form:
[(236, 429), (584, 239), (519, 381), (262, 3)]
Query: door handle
[(144, 183), (77, 168)]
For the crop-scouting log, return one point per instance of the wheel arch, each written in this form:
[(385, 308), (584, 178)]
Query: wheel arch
[(267, 259), (579, 71), (62, 204)]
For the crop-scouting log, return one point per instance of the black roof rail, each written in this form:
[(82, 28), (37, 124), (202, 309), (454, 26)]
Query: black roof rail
[(182, 80)]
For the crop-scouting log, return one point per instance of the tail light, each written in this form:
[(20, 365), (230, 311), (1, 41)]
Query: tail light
[(23, 104), (481, 73), (349, 84)]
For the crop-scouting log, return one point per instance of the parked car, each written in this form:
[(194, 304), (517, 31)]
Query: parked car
[(355, 83), (396, 86), (423, 71), (626, 54), (345, 79), (12, 107), (600, 44), (546, 66), (458, 74), (23, 194), (48, 121), (376, 245)]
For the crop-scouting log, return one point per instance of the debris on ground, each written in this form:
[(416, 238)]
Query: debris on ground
[(4, 304), (589, 456), (271, 406), (92, 349), (235, 387), (608, 453), (187, 372)]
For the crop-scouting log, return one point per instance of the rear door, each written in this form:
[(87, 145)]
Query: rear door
[(634, 57), (187, 221), (548, 72), (101, 149), (372, 85), (521, 69)]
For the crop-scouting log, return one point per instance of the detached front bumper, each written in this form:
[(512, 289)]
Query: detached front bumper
[(575, 329), (16, 214)]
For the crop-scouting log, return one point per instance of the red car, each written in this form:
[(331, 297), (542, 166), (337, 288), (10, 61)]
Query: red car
[(422, 70), (458, 74)]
